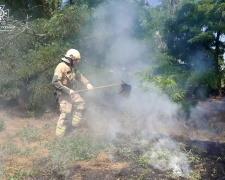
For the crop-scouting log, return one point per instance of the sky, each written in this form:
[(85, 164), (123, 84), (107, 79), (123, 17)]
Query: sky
[(153, 2)]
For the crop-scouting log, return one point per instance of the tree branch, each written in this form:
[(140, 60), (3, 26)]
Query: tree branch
[(12, 38), (26, 27)]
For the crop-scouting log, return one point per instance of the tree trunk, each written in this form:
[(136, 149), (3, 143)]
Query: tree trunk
[(216, 56), (171, 6)]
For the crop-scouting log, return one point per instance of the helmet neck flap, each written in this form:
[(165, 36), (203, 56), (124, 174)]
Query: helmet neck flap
[(67, 61)]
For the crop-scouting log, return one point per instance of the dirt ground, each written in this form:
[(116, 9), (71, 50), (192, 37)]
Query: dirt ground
[(207, 145)]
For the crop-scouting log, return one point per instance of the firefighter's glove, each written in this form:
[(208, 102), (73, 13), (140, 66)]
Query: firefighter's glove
[(89, 86), (72, 92)]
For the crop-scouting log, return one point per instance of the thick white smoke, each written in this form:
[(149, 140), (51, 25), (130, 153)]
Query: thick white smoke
[(165, 155), (147, 114)]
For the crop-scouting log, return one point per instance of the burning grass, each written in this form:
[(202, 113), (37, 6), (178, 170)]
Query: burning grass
[(30, 151), (89, 156)]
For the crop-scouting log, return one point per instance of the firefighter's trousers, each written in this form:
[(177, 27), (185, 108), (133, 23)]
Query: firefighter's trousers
[(71, 111)]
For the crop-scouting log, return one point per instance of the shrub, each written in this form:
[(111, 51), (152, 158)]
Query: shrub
[(2, 124)]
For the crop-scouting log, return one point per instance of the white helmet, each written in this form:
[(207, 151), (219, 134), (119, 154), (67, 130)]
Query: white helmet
[(73, 54)]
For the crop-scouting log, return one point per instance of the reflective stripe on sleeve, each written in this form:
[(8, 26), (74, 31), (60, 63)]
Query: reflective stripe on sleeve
[(58, 74)]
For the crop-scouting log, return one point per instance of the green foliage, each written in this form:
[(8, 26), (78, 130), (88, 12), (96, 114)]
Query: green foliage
[(64, 23), (90, 3), (185, 37), (35, 8), (164, 83), (153, 21), (186, 105), (205, 78), (27, 65), (194, 36)]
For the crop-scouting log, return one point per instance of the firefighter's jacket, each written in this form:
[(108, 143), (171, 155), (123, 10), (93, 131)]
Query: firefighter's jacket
[(65, 76)]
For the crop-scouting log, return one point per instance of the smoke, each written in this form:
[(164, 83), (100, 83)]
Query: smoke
[(114, 31), (165, 155), (115, 26), (207, 113), (152, 112), (144, 114)]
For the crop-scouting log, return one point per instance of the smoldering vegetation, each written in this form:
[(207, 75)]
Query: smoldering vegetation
[(146, 122), (144, 115), (149, 118)]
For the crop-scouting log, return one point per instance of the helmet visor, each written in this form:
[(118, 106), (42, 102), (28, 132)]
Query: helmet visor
[(74, 58)]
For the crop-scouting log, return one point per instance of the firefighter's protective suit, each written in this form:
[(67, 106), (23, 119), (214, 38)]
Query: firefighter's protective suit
[(71, 104)]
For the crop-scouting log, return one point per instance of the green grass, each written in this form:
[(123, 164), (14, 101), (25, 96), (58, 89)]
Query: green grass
[(17, 175), (28, 114), (76, 148), (28, 134), (68, 149), (12, 149)]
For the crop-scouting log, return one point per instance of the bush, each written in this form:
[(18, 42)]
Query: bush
[(2, 124), (166, 83)]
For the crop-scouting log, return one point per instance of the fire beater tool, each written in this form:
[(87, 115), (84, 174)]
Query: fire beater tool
[(125, 88)]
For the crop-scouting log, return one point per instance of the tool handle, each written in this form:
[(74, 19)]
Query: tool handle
[(100, 87)]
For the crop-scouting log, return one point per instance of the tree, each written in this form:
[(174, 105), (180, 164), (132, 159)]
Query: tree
[(193, 38), (30, 53), (185, 39), (29, 56), (35, 8), (164, 72)]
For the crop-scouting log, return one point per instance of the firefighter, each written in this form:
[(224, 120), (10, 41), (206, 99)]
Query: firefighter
[(71, 103)]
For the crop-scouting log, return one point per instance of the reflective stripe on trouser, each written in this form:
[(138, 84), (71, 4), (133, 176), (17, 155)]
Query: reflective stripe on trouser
[(65, 103), (60, 130), (78, 109)]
